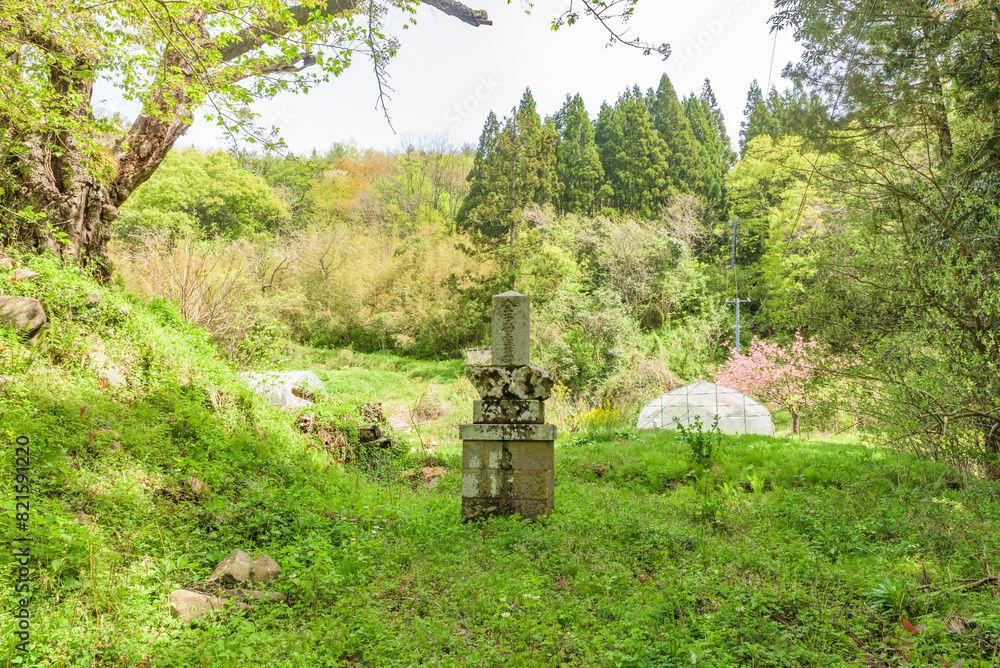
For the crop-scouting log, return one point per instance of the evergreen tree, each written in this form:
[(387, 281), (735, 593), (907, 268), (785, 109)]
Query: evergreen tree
[(759, 118), (687, 169), (633, 155), (715, 147), (578, 165), (711, 106), (514, 167)]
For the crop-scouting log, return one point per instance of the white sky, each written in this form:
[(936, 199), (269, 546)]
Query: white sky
[(449, 75)]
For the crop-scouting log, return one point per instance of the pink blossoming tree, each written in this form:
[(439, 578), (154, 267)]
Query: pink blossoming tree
[(785, 376)]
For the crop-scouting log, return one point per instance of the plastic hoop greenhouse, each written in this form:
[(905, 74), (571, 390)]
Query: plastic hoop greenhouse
[(738, 413)]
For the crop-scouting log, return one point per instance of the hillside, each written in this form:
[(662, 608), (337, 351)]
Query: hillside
[(777, 552)]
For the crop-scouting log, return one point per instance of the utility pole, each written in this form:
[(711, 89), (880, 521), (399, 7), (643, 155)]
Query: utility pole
[(736, 281)]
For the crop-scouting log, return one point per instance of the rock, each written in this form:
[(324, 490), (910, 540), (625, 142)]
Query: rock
[(124, 310), (24, 274), (197, 486), (92, 300), (490, 381), (98, 359), (186, 604), (264, 569), (384, 443), (114, 375), (83, 518), (369, 432), (24, 315), (305, 422), (234, 569), (531, 382), (7, 262)]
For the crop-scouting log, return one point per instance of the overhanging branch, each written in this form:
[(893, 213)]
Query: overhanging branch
[(251, 38)]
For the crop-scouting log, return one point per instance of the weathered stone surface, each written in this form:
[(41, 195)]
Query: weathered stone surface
[(507, 432), (24, 315), (490, 381), (124, 310), (264, 569), (197, 486), (511, 330), (107, 369), (83, 518), (186, 604), (530, 509), (531, 382), (24, 274), (508, 411), (92, 300), (487, 483), (234, 569), (517, 455), (369, 432)]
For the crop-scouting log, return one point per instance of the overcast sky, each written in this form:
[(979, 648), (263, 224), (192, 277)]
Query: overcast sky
[(449, 75)]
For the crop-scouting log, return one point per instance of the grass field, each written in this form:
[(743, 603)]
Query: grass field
[(772, 552)]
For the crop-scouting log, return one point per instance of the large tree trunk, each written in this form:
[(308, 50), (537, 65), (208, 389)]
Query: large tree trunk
[(53, 199)]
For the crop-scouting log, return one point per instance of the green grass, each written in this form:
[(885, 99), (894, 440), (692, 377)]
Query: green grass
[(774, 552)]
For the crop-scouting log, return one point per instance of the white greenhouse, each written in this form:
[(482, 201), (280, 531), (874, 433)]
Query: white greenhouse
[(738, 413)]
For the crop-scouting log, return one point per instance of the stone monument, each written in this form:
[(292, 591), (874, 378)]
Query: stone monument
[(508, 454)]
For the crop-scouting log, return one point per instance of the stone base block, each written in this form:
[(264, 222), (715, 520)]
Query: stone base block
[(507, 432), (507, 478), (513, 455), (530, 509)]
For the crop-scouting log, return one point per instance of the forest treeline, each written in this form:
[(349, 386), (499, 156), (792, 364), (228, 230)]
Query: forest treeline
[(629, 229), (614, 226)]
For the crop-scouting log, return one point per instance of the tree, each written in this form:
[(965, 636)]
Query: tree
[(67, 172), (912, 118), (205, 194), (784, 220), (64, 171), (514, 167), (633, 155), (785, 376), (758, 118), (578, 166), (686, 167), (714, 145)]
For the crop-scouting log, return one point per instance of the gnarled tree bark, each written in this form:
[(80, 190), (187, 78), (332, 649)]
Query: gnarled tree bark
[(50, 171)]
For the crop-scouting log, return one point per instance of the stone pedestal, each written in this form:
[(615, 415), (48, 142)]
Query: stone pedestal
[(508, 453)]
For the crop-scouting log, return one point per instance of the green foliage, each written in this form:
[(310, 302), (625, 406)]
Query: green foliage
[(578, 164), (686, 166), (634, 156), (702, 442), (758, 118), (204, 193), (714, 145)]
